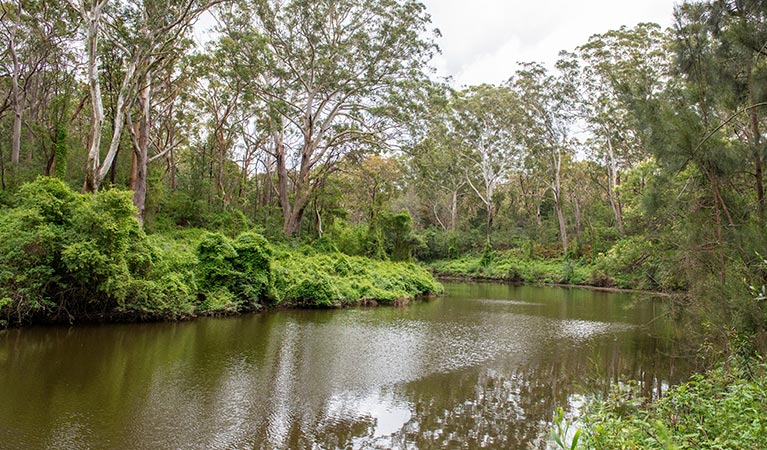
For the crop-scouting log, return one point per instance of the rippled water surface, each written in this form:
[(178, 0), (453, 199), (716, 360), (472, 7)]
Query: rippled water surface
[(483, 367)]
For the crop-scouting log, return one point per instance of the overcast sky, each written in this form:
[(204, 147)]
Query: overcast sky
[(482, 40)]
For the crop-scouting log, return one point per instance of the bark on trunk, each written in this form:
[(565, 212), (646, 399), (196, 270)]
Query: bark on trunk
[(612, 183), (18, 103), (282, 181), (454, 210), (556, 186), (141, 150), (489, 224), (757, 155), (93, 19), (578, 216), (172, 164)]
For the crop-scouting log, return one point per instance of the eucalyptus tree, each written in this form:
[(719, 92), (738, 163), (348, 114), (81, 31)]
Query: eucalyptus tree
[(487, 122), (548, 111), (437, 160), (334, 76), (148, 34), (36, 62), (12, 26), (92, 14), (619, 68)]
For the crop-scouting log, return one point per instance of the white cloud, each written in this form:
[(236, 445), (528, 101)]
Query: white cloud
[(482, 40)]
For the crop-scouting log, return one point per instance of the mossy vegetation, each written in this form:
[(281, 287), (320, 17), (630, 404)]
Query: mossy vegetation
[(66, 256)]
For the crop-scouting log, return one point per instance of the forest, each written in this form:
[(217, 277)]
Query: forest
[(304, 153)]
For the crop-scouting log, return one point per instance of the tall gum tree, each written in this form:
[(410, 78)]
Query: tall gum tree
[(33, 65), (146, 35), (91, 14), (437, 160), (153, 40), (334, 74), (548, 111), (487, 119), (619, 68)]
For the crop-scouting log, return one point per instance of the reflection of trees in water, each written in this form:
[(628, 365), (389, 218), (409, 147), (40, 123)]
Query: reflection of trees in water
[(510, 406), (281, 381)]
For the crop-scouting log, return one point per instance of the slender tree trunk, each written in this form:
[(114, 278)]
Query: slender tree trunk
[(172, 163), (123, 96), (2, 166), (282, 181), (93, 19), (538, 215), (557, 188), (221, 144), (612, 183), (757, 155), (318, 217), (269, 187), (141, 150), (134, 159), (489, 206), (578, 215), (18, 102), (454, 210), (113, 169)]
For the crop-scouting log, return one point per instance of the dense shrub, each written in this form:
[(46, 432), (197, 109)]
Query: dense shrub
[(387, 236), (638, 262), (509, 266), (724, 409), (326, 280), (241, 267), (64, 253), (69, 256)]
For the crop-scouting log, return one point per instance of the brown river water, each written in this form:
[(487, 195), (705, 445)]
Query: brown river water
[(484, 366)]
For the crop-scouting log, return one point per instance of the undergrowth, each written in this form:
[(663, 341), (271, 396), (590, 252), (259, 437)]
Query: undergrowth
[(66, 256)]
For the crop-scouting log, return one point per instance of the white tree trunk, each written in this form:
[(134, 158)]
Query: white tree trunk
[(18, 102), (93, 20), (612, 183), (556, 187)]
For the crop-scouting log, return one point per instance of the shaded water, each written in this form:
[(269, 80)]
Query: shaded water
[(484, 366)]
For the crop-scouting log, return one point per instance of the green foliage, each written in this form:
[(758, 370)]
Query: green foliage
[(638, 263), (440, 244), (387, 236), (64, 256), (400, 238), (513, 266), (347, 239), (177, 209), (561, 432), (63, 253), (726, 408), (61, 149), (328, 280), (241, 267)]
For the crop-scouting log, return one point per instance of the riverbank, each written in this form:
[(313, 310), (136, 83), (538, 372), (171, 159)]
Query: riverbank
[(480, 279), (603, 272), (723, 408), (69, 257)]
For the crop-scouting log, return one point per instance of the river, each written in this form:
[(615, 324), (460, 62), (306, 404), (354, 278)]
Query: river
[(484, 366)]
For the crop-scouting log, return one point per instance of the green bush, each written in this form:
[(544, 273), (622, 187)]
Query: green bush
[(242, 267), (329, 280), (723, 409), (509, 266), (65, 256), (64, 253)]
